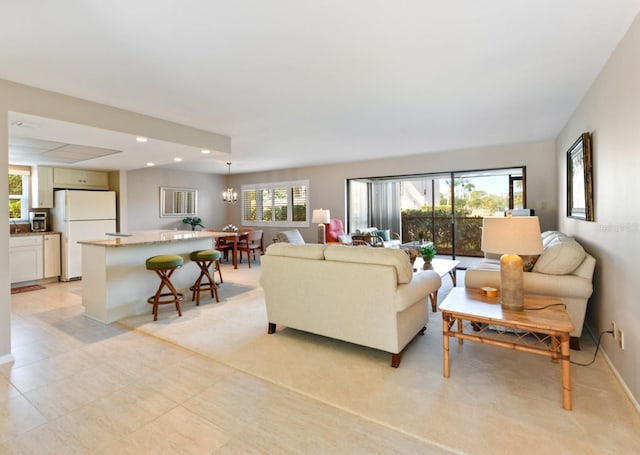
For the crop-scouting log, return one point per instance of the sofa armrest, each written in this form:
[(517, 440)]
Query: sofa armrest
[(563, 286), (421, 285)]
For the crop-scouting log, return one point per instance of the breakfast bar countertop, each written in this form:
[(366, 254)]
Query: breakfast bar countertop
[(148, 237)]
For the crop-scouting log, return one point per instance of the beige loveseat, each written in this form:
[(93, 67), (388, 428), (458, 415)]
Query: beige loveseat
[(367, 296), (563, 270)]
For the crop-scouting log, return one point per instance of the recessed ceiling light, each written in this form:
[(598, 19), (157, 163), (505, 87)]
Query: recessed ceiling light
[(205, 151), (141, 139), (151, 164), (178, 159)]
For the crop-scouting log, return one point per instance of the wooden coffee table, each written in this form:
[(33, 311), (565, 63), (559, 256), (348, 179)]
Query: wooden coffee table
[(539, 329)]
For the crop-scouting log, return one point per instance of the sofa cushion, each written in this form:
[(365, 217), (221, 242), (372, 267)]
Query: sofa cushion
[(304, 251), (294, 237), (561, 255), (383, 256)]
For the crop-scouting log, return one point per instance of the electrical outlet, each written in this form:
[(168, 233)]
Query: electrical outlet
[(614, 329), (621, 339)]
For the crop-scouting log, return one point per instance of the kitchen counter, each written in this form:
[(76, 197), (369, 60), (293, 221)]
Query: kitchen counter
[(149, 237), (115, 281), (25, 234)]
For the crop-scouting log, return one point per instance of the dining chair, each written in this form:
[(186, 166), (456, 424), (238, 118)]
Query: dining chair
[(252, 242)]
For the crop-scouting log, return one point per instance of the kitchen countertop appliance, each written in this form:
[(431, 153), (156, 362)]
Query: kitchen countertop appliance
[(38, 221)]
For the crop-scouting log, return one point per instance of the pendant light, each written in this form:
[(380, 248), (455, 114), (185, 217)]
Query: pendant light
[(229, 196)]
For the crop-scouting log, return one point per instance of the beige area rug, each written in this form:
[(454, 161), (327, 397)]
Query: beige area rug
[(496, 400)]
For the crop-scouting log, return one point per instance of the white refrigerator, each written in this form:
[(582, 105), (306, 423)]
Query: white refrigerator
[(81, 215)]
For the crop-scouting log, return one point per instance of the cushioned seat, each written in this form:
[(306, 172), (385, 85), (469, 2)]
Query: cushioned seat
[(164, 262), (164, 266)]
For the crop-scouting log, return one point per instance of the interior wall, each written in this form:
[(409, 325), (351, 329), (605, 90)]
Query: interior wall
[(328, 183), (611, 112), (143, 201), (29, 100), (5, 296)]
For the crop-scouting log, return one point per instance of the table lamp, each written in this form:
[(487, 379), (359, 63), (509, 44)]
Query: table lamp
[(322, 217), (511, 237)]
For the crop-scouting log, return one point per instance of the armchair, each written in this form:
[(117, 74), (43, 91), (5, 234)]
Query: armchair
[(335, 228), (378, 237)]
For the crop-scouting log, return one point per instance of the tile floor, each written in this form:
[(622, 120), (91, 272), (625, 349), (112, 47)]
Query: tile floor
[(78, 386)]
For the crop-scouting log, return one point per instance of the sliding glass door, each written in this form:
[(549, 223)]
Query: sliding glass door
[(444, 208), (477, 194)]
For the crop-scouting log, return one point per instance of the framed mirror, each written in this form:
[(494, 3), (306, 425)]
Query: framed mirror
[(580, 179), (178, 202)]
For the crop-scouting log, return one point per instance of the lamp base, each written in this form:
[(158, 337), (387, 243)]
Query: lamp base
[(322, 229), (511, 282)]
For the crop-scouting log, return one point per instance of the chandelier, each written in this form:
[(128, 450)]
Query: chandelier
[(229, 196)]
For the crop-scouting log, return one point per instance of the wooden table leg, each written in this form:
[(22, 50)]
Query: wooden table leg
[(445, 345), (460, 325), (566, 372), (235, 251)]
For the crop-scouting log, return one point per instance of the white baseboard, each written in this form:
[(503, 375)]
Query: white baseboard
[(626, 389), (6, 359)]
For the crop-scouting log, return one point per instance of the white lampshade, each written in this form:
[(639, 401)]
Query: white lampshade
[(511, 235), (321, 216)]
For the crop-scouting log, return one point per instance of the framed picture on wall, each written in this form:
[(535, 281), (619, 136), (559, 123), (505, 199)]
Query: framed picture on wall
[(580, 179)]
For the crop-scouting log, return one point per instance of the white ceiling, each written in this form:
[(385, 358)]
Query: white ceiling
[(303, 82)]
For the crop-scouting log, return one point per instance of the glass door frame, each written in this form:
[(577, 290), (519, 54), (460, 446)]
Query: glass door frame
[(451, 176)]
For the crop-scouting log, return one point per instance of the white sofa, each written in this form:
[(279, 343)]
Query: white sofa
[(563, 270), (367, 296)]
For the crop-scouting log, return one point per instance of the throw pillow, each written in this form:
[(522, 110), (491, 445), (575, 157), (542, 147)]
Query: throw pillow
[(384, 233), (561, 255), (345, 238), (294, 237)]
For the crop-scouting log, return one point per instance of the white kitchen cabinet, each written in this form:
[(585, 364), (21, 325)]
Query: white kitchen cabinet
[(26, 258), (42, 187), (80, 179), (51, 252)]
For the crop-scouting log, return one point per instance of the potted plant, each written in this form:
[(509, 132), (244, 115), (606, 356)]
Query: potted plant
[(195, 221), (427, 252)]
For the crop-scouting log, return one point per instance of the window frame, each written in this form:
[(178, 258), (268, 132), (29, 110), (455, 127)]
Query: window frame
[(258, 188), (23, 198)]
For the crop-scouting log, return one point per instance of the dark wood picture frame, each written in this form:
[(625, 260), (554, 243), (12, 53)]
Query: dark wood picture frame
[(580, 179)]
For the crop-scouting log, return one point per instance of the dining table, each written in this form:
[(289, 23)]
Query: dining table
[(234, 237)]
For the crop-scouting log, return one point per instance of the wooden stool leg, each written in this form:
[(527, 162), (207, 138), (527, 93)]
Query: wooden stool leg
[(195, 294), (219, 271), (174, 292), (212, 284), (165, 275), (208, 286)]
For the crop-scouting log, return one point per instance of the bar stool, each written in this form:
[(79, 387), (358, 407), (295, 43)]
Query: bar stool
[(164, 266), (204, 259)]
